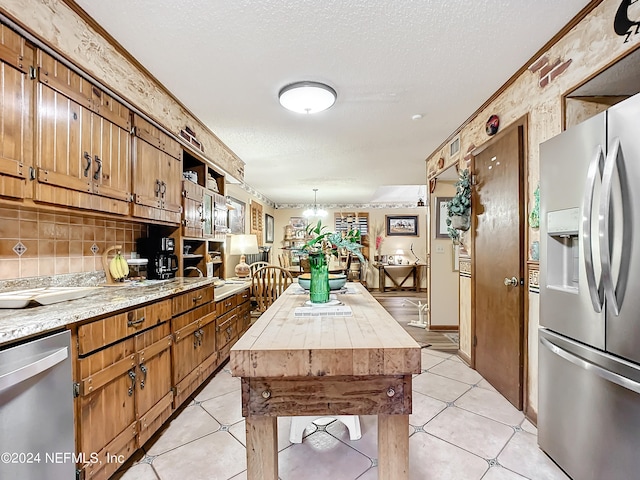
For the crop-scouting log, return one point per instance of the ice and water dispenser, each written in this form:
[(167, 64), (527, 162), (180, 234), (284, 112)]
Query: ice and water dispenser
[(563, 252)]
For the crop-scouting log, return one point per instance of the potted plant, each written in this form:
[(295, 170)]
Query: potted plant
[(459, 207), (321, 245)]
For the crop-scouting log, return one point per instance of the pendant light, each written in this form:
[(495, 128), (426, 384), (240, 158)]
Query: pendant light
[(315, 211)]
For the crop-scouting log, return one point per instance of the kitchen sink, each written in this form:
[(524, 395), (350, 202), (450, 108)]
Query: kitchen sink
[(42, 296)]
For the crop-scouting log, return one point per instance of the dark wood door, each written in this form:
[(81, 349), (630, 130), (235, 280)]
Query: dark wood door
[(498, 246)]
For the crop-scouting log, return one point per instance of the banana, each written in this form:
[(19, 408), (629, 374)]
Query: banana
[(118, 267)]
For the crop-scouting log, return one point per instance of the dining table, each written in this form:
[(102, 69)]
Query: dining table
[(346, 357)]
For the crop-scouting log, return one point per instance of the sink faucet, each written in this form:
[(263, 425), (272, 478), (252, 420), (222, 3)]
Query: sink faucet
[(200, 274)]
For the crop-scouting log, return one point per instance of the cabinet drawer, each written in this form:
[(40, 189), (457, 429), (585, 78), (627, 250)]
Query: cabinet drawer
[(243, 296), (226, 305), (226, 329), (95, 335), (192, 299)]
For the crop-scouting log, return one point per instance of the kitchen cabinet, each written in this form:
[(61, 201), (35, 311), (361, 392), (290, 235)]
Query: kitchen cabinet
[(123, 383), (193, 209), (83, 146), (234, 318), (16, 114), (157, 174), (194, 350)]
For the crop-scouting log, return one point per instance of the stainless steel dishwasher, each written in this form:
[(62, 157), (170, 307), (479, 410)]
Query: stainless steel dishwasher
[(36, 410)]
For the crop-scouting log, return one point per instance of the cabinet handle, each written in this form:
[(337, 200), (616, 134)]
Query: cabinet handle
[(228, 333), (133, 323), (156, 190), (163, 189), (199, 297), (96, 175), (143, 369), (197, 341), (132, 377), (87, 157)]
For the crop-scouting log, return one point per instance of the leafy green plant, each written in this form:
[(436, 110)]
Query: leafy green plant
[(324, 241), (460, 204)]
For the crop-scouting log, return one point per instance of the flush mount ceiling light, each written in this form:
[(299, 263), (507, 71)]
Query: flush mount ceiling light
[(307, 97), (315, 211)]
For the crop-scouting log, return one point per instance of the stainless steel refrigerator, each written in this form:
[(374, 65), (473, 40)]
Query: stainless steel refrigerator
[(589, 336)]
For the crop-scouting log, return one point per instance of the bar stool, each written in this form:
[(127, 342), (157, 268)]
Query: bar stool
[(299, 424)]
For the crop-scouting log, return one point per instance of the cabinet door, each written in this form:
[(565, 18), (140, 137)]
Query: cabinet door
[(153, 394), (16, 114), (157, 174), (110, 147), (193, 209), (84, 142), (107, 405), (64, 161)]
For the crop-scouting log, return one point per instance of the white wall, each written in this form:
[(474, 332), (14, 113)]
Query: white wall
[(444, 284)]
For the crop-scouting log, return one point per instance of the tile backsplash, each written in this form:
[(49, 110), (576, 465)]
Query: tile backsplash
[(34, 243)]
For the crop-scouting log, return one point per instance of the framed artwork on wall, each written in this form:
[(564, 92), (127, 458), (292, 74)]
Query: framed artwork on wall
[(405, 225), (441, 217), (268, 225), (236, 215)]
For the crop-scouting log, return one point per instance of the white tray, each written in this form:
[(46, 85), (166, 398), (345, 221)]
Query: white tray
[(43, 296)]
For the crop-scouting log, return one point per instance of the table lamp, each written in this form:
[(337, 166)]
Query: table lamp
[(399, 256), (243, 245)]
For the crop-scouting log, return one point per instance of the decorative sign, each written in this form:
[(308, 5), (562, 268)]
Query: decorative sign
[(622, 24)]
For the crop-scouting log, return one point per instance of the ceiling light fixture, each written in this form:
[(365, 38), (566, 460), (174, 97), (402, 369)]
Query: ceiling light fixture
[(315, 211), (307, 97)]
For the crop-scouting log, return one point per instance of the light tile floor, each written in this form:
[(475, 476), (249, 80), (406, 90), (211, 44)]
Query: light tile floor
[(461, 429)]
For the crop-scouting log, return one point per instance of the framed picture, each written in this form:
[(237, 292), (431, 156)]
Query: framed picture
[(406, 225), (441, 217), (268, 225), (297, 222), (236, 215)]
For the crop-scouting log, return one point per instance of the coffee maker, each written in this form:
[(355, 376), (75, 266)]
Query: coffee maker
[(163, 262)]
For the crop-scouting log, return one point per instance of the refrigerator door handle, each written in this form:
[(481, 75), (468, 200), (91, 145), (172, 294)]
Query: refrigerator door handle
[(603, 373), (605, 209), (597, 300)]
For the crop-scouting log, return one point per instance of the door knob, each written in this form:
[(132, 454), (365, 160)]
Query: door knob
[(513, 281)]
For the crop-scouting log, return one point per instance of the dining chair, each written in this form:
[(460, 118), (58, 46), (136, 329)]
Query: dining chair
[(256, 265), (268, 283)]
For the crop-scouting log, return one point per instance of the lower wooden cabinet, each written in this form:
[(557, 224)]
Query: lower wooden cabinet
[(125, 396), (134, 368)]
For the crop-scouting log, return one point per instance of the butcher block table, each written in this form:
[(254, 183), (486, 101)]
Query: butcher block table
[(326, 364)]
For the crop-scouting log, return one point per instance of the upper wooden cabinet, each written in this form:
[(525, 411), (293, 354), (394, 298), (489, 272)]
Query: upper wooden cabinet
[(193, 206), (157, 174), (83, 155), (16, 114)]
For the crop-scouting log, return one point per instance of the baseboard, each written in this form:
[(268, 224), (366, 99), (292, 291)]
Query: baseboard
[(443, 328), (464, 357)]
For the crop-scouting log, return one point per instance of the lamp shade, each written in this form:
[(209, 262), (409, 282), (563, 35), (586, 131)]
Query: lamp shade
[(400, 252), (243, 245)]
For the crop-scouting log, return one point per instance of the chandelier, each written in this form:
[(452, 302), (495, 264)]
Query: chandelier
[(315, 211)]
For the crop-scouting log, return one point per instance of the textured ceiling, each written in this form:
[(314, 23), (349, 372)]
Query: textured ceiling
[(227, 60)]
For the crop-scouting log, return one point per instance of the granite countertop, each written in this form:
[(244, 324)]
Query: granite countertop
[(19, 324)]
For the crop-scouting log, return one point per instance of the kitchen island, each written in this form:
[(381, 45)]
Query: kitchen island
[(348, 359)]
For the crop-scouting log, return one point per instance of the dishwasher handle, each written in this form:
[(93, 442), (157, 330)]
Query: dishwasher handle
[(32, 369)]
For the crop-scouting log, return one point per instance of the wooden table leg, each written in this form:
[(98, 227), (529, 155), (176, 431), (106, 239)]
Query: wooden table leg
[(393, 447), (262, 447)]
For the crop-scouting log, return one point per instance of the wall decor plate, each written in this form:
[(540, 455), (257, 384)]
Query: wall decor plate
[(492, 125)]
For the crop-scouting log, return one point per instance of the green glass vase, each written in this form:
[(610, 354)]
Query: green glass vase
[(319, 286)]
